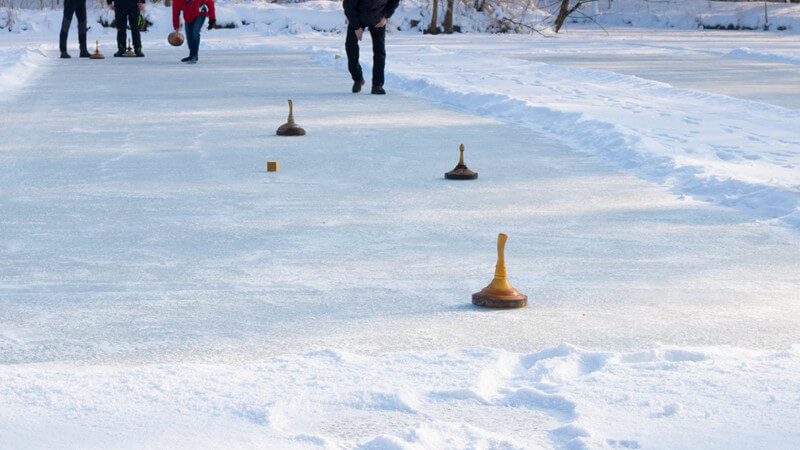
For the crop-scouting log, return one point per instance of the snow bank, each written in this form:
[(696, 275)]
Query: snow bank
[(719, 149), (562, 396), (415, 15), (746, 53), (325, 16), (18, 67), (689, 14)]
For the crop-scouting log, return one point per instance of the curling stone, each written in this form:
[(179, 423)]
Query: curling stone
[(461, 171), (97, 54), (499, 293), (175, 39), (290, 128), (130, 52)]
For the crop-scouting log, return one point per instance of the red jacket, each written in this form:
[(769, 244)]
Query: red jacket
[(191, 10)]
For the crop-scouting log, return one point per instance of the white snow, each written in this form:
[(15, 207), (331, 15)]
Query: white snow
[(562, 396), (18, 67), (746, 53), (159, 289)]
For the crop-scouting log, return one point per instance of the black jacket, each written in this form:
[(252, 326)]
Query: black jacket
[(366, 13)]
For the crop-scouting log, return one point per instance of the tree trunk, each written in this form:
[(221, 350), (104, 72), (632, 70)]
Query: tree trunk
[(562, 14), (434, 28), (448, 18), (564, 11)]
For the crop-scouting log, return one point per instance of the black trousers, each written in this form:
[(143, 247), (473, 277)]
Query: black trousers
[(78, 8), (127, 13), (378, 54)]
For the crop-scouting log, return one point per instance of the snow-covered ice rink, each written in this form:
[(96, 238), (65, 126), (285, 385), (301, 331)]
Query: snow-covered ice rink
[(159, 288)]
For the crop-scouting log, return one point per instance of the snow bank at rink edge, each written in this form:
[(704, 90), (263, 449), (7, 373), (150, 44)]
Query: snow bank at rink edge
[(18, 67), (563, 396), (415, 15), (746, 53), (777, 204)]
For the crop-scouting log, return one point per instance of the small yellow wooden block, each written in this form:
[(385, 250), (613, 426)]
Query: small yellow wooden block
[(273, 166)]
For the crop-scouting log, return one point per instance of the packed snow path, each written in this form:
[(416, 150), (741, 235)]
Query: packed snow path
[(139, 227)]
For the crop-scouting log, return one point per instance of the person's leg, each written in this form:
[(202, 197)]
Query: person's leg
[(378, 55), (80, 13), (120, 18), (66, 22), (133, 17), (197, 26), (187, 28), (351, 47)]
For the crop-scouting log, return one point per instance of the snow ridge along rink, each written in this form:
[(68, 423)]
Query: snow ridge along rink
[(733, 152), (18, 68), (158, 288)]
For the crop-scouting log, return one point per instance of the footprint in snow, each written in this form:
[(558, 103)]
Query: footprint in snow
[(623, 443), (669, 410), (725, 156)]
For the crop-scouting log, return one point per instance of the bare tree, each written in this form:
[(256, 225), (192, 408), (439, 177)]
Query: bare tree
[(564, 11), (448, 18), (434, 27)]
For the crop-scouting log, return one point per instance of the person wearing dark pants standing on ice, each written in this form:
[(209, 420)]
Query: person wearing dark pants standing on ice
[(194, 13), (77, 8), (127, 12), (372, 14)]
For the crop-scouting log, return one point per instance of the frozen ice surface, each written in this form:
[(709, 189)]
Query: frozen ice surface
[(142, 225), (159, 287)]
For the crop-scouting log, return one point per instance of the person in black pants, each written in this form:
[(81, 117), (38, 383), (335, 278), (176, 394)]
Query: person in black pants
[(372, 14), (78, 8), (127, 12)]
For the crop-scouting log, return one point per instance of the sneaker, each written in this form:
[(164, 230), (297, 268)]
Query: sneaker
[(65, 55), (186, 59), (85, 54), (378, 90), (119, 53), (139, 53), (357, 86)]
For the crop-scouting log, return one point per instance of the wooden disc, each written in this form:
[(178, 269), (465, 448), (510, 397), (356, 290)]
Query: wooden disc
[(461, 176), (175, 39), (288, 129), (461, 172), (487, 301), (501, 299)]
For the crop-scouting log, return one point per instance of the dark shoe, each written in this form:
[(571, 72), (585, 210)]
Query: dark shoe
[(186, 59), (85, 54), (378, 90), (139, 53), (65, 55), (119, 53), (357, 86)]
